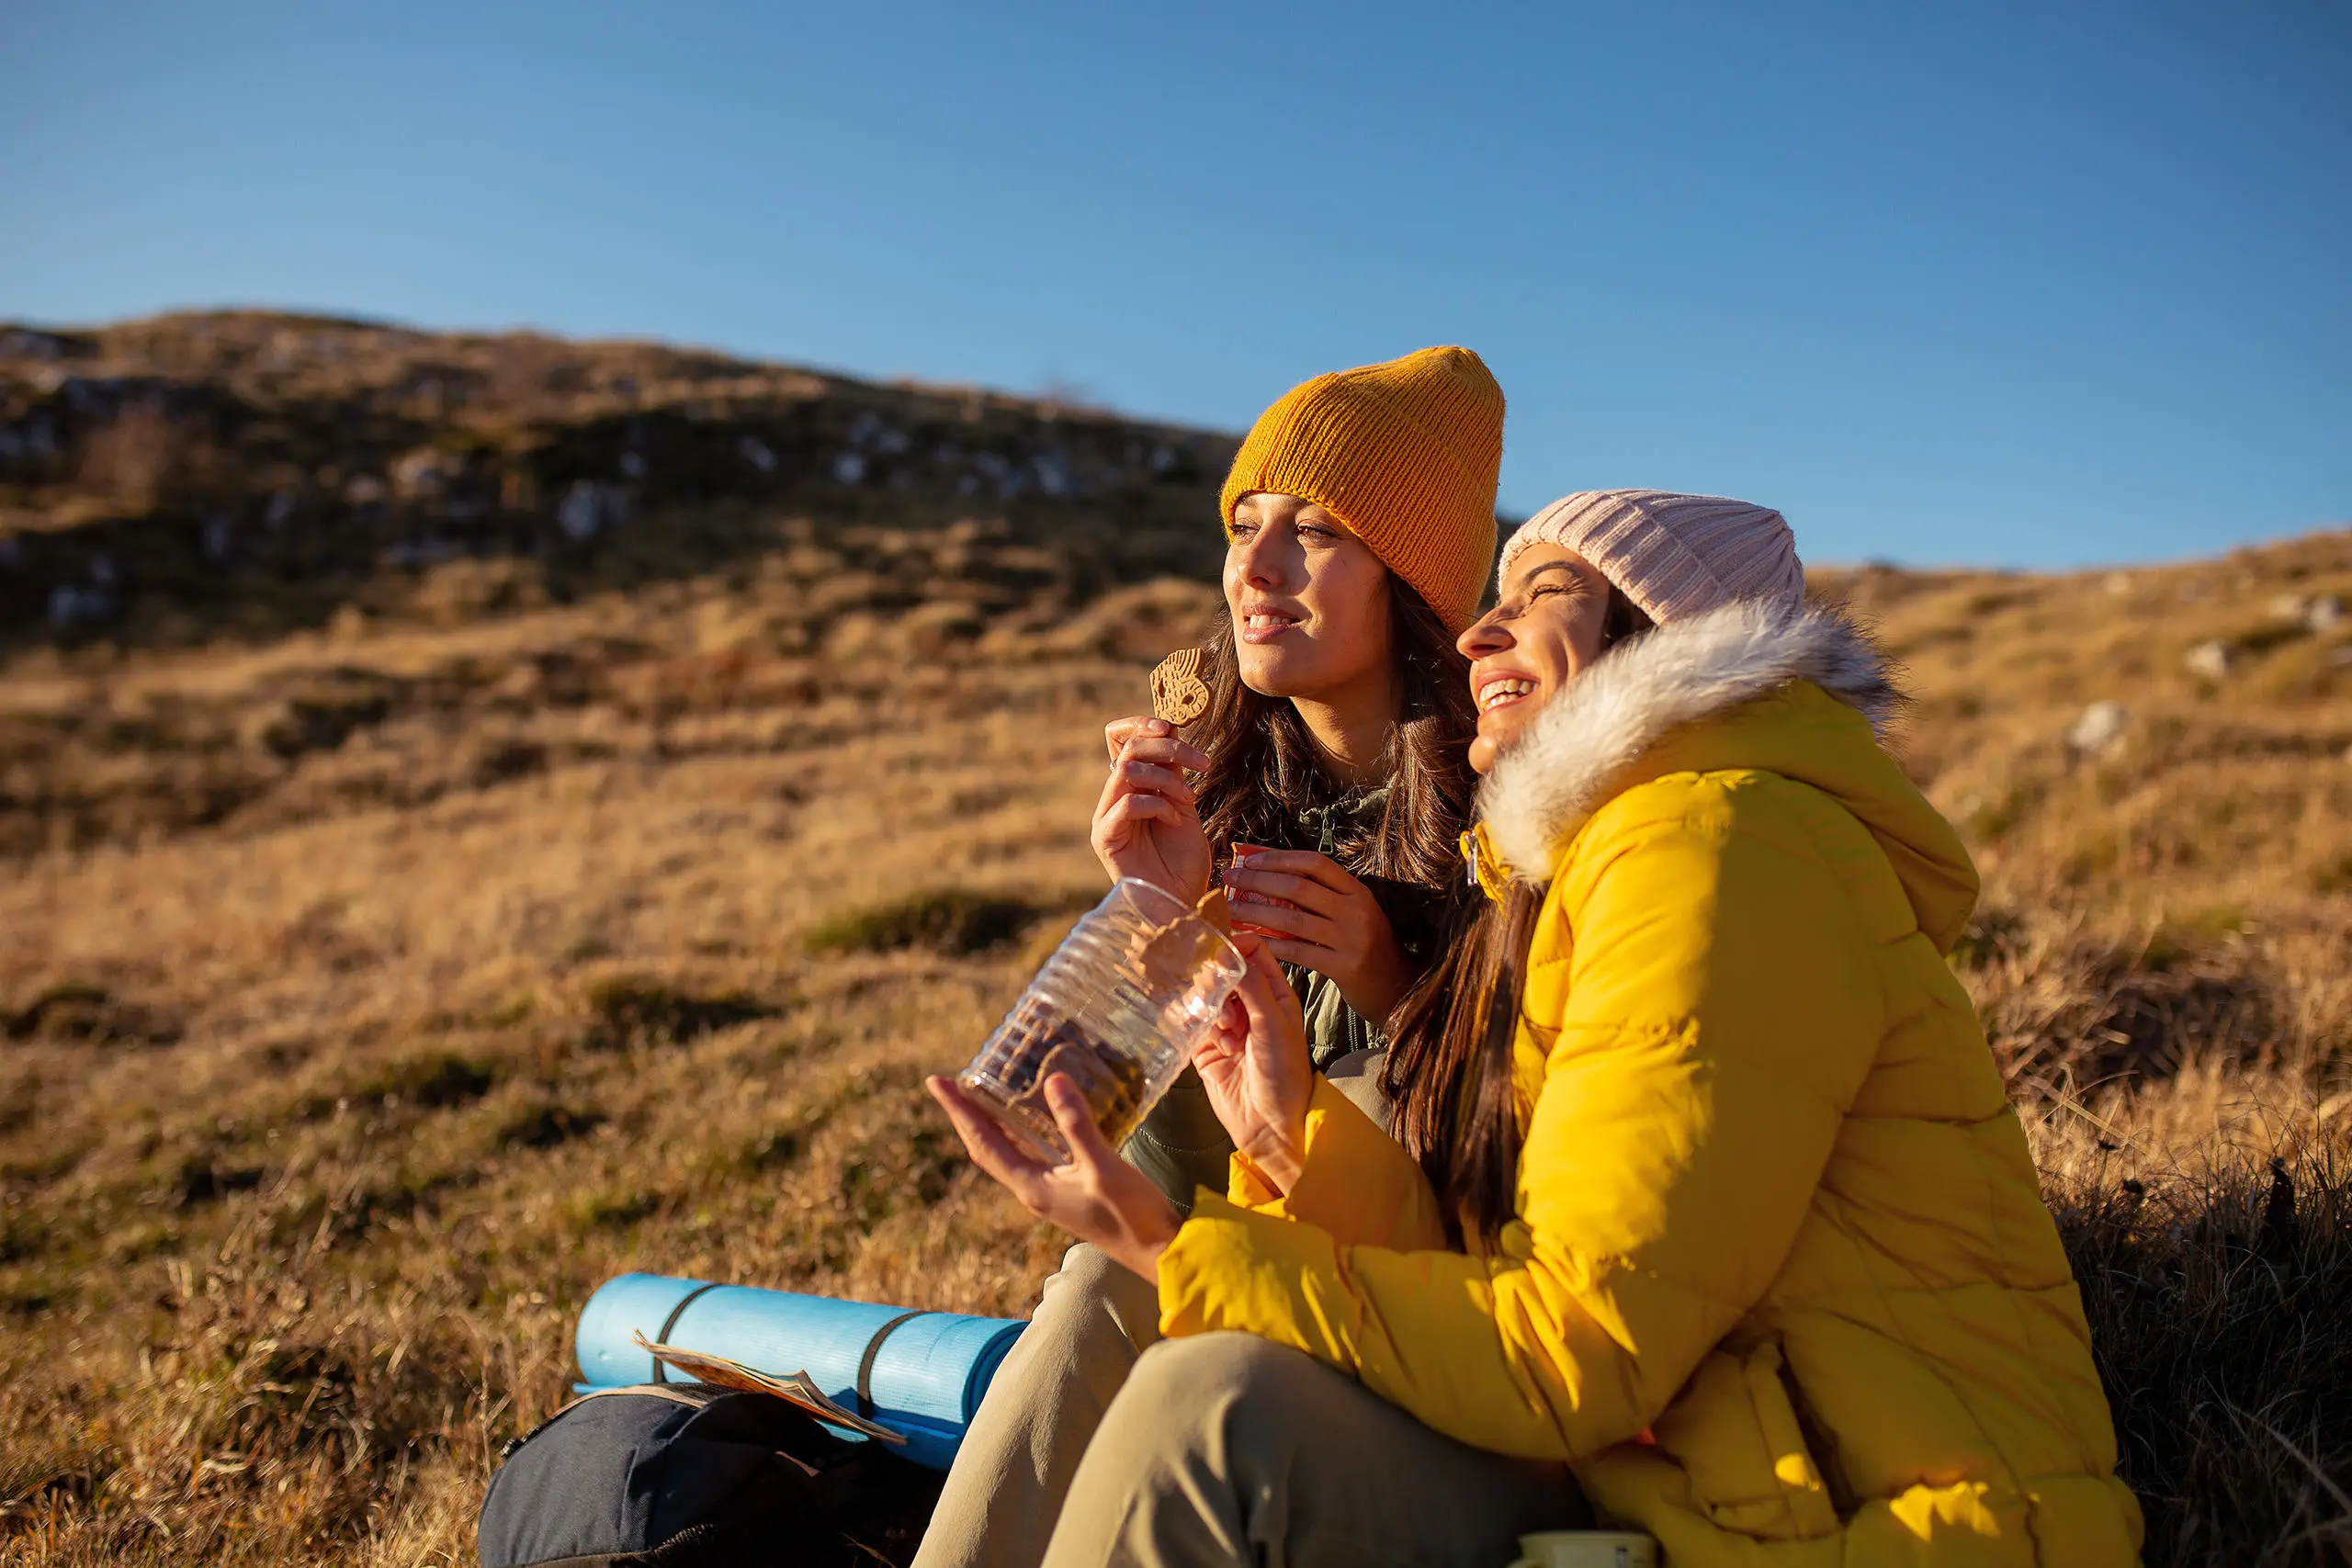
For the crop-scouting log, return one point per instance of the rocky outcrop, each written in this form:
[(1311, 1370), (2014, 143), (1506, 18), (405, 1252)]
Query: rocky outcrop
[(174, 478)]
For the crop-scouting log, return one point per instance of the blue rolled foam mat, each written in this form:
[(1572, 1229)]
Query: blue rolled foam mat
[(929, 1373)]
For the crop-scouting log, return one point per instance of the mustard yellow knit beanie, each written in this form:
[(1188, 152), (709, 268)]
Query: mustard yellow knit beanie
[(1405, 453)]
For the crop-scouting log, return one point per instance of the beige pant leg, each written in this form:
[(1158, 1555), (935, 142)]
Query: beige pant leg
[(1226, 1449), (1015, 1463)]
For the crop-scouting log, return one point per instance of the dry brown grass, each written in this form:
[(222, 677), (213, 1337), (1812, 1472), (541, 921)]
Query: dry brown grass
[(2210, 1220), (372, 994)]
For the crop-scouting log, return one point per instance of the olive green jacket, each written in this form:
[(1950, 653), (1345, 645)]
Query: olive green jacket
[(1181, 1146)]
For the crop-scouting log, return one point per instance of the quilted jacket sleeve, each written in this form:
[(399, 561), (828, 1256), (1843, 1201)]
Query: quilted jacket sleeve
[(1704, 1031), (1362, 1189)]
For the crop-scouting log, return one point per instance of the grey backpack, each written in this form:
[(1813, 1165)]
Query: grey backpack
[(683, 1476)]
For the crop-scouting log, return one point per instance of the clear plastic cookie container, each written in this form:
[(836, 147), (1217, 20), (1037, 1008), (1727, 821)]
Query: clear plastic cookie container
[(1136, 985)]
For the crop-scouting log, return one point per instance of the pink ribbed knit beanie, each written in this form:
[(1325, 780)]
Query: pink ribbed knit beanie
[(1673, 555)]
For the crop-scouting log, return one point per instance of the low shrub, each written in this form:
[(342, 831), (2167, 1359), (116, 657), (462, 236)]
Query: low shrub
[(437, 1080), (952, 921), (631, 1008)]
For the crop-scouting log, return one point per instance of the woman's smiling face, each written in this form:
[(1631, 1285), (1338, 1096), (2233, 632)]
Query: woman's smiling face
[(1310, 600), (1543, 632)]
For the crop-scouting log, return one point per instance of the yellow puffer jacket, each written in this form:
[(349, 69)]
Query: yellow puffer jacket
[(1782, 1287)]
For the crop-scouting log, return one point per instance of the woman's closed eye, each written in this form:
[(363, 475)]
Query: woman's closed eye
[(1547, 588)]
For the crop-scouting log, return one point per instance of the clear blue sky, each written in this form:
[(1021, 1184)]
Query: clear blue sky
[(2012, 283)]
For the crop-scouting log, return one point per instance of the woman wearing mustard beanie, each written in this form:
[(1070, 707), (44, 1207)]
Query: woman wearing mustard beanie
[(1360, 522), (1359, 526)]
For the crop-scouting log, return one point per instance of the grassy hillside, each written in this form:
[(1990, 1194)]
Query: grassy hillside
[(377, 981)]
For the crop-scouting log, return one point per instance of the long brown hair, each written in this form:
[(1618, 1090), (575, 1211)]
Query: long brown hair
[(1448, 1075), (1265, 773)]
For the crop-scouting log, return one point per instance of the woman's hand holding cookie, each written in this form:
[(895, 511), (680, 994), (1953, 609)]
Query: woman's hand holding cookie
[(1338, 930), (1146, 823)]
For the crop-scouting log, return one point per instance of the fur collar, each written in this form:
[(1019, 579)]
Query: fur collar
[(1570, 761)]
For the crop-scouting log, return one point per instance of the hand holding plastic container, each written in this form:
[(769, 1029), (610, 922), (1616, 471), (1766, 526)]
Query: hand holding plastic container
[(1120, 1005)]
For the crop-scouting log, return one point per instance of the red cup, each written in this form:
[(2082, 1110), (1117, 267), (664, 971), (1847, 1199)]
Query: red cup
[(1241, 898)]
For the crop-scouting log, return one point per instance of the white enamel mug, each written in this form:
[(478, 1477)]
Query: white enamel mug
[(1587, 1549)]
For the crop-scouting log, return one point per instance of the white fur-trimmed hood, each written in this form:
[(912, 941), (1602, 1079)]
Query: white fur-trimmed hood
[(1571, 761)]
